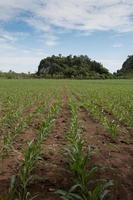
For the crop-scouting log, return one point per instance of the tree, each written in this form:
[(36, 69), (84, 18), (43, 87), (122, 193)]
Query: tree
[(70, 67), (127, 68)]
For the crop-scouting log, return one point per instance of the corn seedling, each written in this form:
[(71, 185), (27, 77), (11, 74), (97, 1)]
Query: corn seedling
[(32, 155), (78, 162), (112, 127)]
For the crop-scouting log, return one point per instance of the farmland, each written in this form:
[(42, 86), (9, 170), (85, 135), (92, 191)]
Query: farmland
[(66, 139)]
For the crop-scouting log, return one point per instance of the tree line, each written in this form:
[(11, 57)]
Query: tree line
[(73, 67)]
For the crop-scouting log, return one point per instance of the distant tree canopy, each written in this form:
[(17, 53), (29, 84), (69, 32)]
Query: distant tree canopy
[(71, 67), (13, 75), (127, 68)]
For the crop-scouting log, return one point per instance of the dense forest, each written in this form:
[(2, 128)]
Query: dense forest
[(79, 67)]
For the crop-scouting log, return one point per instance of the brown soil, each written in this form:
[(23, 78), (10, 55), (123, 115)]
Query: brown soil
[(9, 165), (8, 168), (51, 173), (115, 158), (123, 126)]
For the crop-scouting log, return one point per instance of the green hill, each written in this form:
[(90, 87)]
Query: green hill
[(79, 67), (127, 68)]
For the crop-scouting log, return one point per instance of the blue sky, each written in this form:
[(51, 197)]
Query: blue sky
[(33, 29)]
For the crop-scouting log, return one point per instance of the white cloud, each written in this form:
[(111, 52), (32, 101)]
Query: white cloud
[(117, 45), (51, 17), (86, 15), (51, 43), (89, 15), (51, 40), (83, 15)]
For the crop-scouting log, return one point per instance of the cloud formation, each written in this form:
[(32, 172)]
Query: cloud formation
[(117, 45), (84, 15), (50, 18)]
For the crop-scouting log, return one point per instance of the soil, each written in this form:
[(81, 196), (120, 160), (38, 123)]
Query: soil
[(9, 165), (53, 168), (114, 158)]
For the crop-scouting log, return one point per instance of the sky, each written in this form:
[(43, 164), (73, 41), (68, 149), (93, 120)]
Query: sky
[(34, 29)]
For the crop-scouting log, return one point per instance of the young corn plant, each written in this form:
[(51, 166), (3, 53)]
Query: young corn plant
[(31, 156), (9, 139), (78, 163), (112, 127)]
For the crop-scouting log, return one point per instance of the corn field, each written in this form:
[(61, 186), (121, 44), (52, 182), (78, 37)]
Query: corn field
[(66, 139)]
